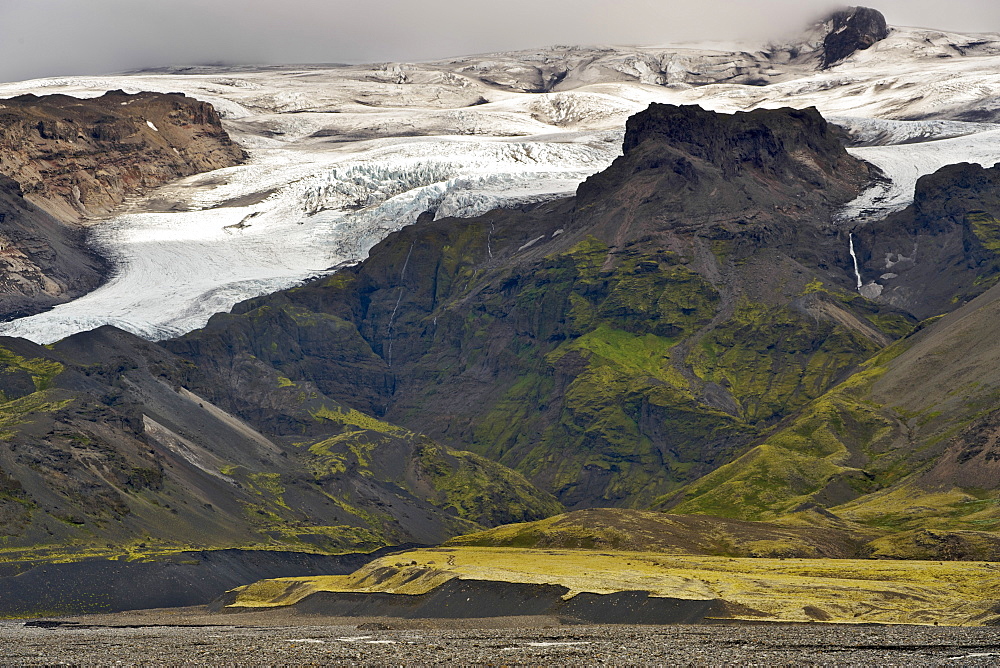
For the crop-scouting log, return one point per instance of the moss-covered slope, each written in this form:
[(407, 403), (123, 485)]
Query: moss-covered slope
[(109, 442), (611, 347), (907, 446), (645, 531)]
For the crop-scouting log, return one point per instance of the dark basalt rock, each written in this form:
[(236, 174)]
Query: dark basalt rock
[(762, 139), (853, 29), (941, 250)]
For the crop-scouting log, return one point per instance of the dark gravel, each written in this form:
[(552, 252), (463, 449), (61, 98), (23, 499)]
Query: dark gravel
[(194, 638)]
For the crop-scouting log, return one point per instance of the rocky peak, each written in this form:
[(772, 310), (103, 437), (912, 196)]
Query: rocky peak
[(953, 191), (772, 141), (700, 169), (852, 29)]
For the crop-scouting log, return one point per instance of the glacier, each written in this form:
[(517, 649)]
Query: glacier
[(339, 157)]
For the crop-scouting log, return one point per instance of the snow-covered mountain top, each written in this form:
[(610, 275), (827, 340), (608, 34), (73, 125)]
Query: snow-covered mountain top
[(343, 154)]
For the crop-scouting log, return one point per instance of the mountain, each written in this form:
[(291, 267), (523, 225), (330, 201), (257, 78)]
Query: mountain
[(613, 346), (340, 156), (65, 161), (108, 441), (661, 339)]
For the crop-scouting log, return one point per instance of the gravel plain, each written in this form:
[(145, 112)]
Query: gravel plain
[(190, 636)]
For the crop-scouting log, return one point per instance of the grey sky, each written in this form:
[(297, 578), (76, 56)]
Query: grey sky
[(57, 37)]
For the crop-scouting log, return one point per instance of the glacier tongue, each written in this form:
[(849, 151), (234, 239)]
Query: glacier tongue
[(175, 270)]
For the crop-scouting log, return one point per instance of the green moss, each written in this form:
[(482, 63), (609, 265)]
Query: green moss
[(21, 410), (986, 228), (285, 382), (269, 486), (638, 355), (479, 490), (807, 459), (42, 371), (353, 418), (774, 360)]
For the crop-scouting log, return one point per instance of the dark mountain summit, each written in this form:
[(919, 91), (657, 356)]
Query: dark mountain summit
[(851, 30)]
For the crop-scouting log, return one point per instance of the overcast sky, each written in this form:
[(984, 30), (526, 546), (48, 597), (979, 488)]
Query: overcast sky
[(58, 37)]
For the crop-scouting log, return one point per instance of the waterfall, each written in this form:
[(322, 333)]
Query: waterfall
[(857, 273)]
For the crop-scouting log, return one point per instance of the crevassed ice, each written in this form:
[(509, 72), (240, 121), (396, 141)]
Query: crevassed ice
[(175, 270)]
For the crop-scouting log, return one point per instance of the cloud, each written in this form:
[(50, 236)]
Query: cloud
[(62, 37)]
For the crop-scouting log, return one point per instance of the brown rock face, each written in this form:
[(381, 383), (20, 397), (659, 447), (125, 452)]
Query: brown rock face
[(64, 160), (80, 158)]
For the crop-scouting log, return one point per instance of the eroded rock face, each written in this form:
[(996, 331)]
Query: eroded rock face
[(79, 158), (852, 29), (65, 160)]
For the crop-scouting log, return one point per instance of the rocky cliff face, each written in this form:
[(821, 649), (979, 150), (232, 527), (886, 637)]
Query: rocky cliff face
[(65, 160), (940, 252), (80, 158)]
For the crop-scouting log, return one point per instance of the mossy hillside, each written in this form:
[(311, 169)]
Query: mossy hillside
[(644, 531), (910, 507), (773, 359), (589, 393), (24, 409), (466, 485), (598, 382), (839, 448), (929, 544), (632, 417), (786, 590)]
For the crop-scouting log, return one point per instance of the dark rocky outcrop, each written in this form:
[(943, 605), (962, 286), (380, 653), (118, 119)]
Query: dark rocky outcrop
[(851, 30), (940, 251)]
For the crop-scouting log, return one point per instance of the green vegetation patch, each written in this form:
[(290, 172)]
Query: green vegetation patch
[(806, 461), (986, 228), (774, 360), (42, 371)]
